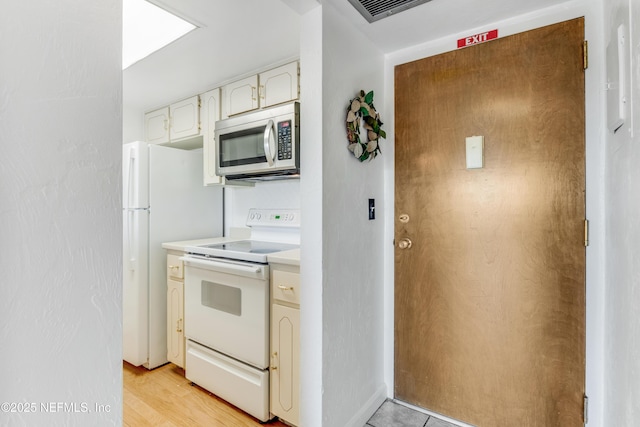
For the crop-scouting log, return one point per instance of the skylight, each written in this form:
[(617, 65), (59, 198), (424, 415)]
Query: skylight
[(147, 28)]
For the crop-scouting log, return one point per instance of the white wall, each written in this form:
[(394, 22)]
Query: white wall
[(352, 245), (591, 10), (60, 227), (132, 124), (283, 194), (622, 344), (313, 226)]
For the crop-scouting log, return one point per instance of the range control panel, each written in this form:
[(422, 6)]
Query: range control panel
[(273, 218)]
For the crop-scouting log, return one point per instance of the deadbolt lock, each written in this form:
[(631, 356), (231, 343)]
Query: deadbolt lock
[(404, 243), (404, 218)]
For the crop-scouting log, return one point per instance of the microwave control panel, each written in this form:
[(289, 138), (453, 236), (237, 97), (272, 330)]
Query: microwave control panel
[(284, 140)]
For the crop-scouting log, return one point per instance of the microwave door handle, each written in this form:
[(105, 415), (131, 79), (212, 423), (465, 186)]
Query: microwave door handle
[(268, 137)]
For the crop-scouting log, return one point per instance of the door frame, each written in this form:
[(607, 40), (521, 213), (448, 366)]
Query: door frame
[(594, 364)]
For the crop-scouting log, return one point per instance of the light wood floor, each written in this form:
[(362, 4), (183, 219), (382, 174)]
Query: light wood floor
[(163, 397)]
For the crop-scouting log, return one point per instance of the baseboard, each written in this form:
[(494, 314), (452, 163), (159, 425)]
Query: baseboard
[(361, 417)]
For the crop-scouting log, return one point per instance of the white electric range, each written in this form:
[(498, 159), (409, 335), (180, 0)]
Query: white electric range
[(227, 310)]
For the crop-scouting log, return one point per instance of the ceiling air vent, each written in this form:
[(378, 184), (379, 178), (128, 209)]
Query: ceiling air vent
[(374, 10)]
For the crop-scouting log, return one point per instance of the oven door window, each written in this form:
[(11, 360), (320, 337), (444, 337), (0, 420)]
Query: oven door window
[(221, 297), (243, 147)]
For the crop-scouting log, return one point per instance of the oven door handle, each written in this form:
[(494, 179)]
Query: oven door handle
[(222, 266)]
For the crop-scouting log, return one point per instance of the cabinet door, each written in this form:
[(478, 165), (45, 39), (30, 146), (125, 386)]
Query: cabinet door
[(185, 118), (156, 126), (279, 85), (285, 363), (210, 114), (239, 97), (175, 322), (175, 268)]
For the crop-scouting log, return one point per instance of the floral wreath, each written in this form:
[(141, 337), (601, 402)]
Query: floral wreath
[(361, 108)]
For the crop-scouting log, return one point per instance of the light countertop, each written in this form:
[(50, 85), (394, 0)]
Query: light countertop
[(235, 235), (291, 257)]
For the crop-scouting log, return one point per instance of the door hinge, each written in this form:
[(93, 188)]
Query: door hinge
[(585, 415), (586, 232), (585, 54)]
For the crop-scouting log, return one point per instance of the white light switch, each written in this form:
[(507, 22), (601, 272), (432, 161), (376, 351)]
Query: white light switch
[(475, 152)]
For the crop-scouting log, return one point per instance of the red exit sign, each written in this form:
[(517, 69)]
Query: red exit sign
[(478, 38)]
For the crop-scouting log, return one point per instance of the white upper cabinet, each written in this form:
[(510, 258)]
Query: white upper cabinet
[(156, 126), (279, 85), (210, 114), (240, 96), (174, 124), (262, 90), (184, 118)]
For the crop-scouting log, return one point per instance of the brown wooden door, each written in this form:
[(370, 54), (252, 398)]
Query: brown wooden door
[(490, 296)]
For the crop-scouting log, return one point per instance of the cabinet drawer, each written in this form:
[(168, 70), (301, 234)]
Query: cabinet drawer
[(286, 286), (174, 267)]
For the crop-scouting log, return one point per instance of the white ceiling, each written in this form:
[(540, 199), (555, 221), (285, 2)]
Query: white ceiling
[(235, 37), (240, 36)]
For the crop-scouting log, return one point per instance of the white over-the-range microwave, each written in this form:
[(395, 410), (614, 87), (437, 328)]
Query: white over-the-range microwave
[(261, 145)]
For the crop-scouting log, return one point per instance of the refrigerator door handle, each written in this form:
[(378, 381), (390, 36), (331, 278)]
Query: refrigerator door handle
[(131, 245), (133, 154)]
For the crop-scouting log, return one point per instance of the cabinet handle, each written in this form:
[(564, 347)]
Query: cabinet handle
[(253, 93), (274, 356), (178, 328), (261, 91), (285, 288), (174, 267)]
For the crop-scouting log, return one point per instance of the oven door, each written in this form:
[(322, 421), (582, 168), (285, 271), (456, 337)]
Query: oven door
[(227, 308)]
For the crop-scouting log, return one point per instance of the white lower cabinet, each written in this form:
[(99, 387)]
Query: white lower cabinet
[(175, 310), (175, 322), (285, 343)]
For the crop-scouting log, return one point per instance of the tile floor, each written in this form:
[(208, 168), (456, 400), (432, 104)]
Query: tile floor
[(392, 414)]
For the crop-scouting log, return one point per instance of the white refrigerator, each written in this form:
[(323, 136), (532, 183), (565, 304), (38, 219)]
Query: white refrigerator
[(164, 200)]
